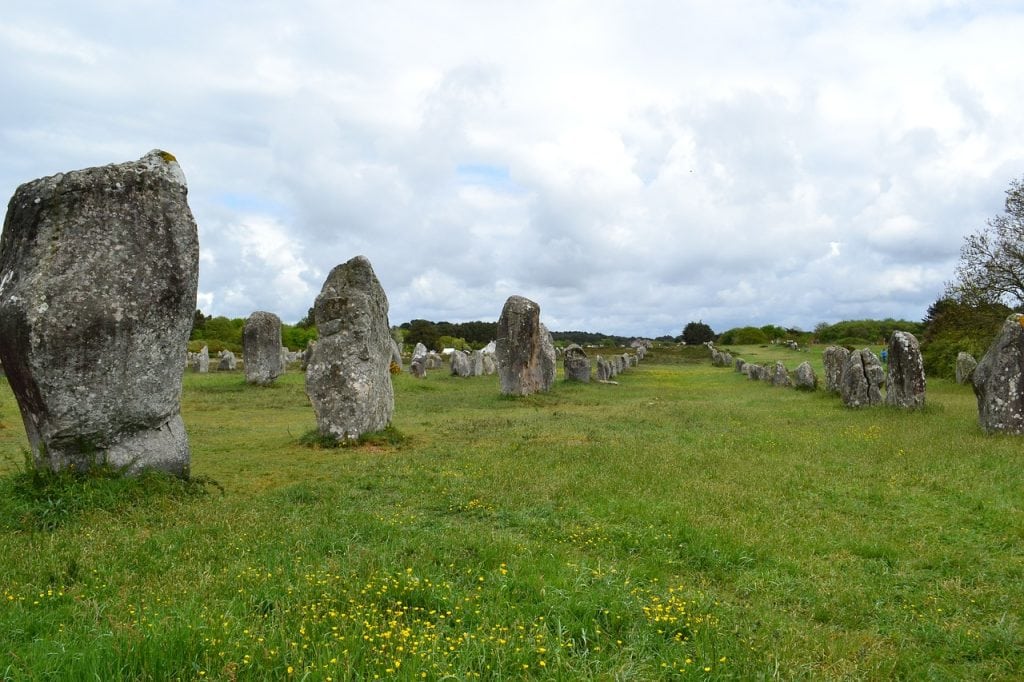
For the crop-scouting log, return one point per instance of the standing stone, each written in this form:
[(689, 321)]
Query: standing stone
[(576, 364), (460, 364), (98, 274), (738, 364), (905, 385), (965, 364), (227, 361), (202, 364), (834, 358), (306, 355), (419, 351), (476, 363), (490, 366), (862, 380), (348, 379), (418, 364), (603, 369), (780, 376), (524, 349), (490, 348), (804, 378), (998, 380), (261, 348), (396, 354), (641, 351)]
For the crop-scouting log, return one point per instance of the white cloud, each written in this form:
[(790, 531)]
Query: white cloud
[(629, 166)]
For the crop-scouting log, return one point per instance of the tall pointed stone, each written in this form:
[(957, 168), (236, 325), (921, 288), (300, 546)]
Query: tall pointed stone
[(98, 274), (348, 378)]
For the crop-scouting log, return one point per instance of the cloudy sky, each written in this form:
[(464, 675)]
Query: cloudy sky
[(631, 166)]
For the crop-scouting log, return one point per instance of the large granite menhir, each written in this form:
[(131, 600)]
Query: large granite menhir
[(998, 380), (348, 378), (98, 274), (524, 349), (261, 348)]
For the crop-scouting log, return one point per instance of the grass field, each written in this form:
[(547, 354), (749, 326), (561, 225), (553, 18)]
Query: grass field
[(686, 523)]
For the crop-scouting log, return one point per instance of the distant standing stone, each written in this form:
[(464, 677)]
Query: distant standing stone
[(476, 363), (524, 349), (804, 377), (396, 353), (905, 385), (98, 274), (261, 348), (490, 366), (306, 355), (965, 364), (203, 360), (576, 364), (461, 366), (603, 372), (780, 376), (998, 380), (348, 380), (862, 380), (418, 364), (834, 358), (227, 361)]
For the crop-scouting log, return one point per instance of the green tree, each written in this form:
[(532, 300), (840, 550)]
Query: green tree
[(952, 326), (697, 332), (991, 267), (743, 336)]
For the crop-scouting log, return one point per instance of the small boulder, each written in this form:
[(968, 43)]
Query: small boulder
[(576, 364), (804, 377)]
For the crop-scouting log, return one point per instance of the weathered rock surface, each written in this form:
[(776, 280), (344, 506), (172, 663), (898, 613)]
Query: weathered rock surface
[(576, 364), (998, 380), (862, 380), (202, 364), (524, 349), (261, 348), (227, 361), (461, 365), (603, 371), (834, 358), (804, 377), (98, 274), (905, 384), (306, 355), (965, 364), (348, 379), (396, 354), (780, 376), (418, 363)]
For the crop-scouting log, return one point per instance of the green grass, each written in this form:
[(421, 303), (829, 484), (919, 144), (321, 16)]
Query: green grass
[(686, 523)]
